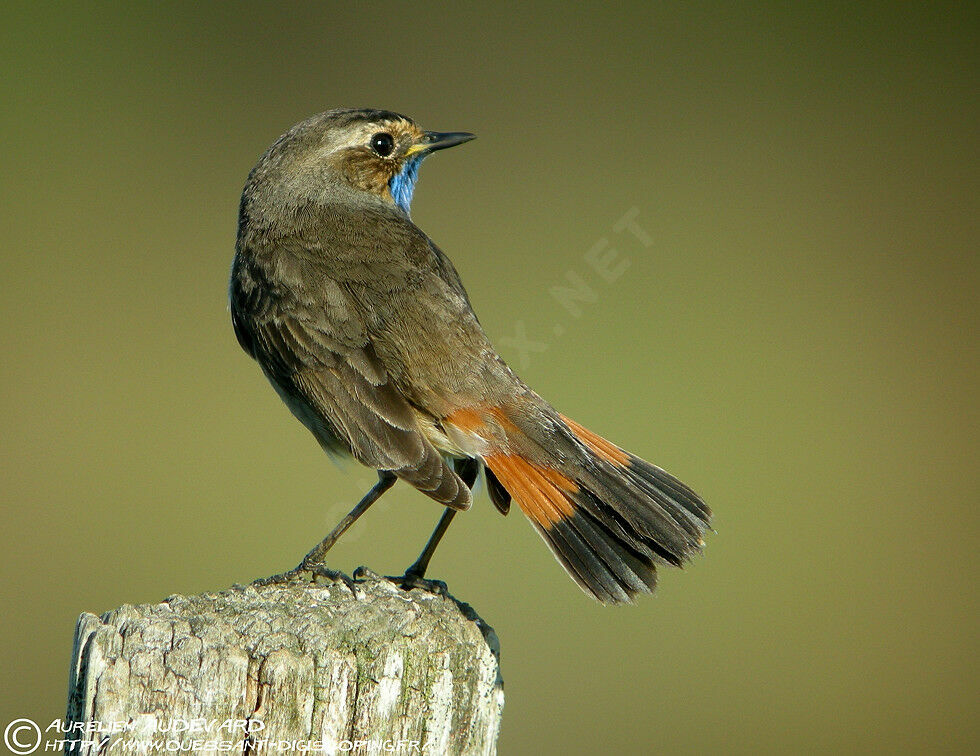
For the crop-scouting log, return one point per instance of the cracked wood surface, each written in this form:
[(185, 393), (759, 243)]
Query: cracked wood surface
[(313, 658)]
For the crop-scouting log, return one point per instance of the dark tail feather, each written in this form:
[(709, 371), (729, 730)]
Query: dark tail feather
[(609, 517)]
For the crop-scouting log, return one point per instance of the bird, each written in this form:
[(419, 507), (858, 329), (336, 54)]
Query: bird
[(363, 327)]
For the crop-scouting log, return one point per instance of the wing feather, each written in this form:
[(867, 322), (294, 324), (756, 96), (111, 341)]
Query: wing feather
[(321, 360)]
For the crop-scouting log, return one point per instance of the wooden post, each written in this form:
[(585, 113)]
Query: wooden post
[(303, 662)]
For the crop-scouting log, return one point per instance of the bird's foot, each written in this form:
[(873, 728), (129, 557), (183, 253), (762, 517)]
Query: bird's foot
[(309, 571), (323, 574), (411, 580), (297, 574)]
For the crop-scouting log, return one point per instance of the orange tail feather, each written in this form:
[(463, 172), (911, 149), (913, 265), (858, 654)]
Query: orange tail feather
[(609, 517)]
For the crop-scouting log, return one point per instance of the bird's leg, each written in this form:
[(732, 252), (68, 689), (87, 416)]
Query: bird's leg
[(417, 570), (468, 469), (385, 481)]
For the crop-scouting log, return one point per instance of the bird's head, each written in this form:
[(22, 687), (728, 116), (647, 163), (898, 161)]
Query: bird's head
[(373, 151)]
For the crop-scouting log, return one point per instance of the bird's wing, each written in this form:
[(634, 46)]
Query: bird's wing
[(445, 269), (315, 349)]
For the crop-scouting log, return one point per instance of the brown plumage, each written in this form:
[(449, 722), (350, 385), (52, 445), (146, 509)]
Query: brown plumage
[(364, 329)]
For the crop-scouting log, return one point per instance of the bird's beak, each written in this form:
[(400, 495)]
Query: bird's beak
[(439, 140)]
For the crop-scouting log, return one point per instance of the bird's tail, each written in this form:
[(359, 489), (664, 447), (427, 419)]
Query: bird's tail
[(609, 517)]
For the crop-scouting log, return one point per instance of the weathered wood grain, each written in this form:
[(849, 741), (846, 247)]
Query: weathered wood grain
[(321, 659)]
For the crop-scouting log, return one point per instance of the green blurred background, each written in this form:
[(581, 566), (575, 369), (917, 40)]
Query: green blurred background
[(798, 342)]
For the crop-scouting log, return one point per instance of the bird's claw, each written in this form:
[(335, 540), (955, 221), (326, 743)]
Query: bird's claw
[(333, 576), (411, 580)]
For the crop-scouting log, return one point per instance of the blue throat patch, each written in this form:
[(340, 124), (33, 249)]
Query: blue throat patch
[(402, 185)]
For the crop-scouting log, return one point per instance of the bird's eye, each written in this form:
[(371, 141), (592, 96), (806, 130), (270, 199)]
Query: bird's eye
[(383, 144)]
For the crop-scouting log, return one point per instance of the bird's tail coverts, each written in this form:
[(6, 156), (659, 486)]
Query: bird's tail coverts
[(609, 517)]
